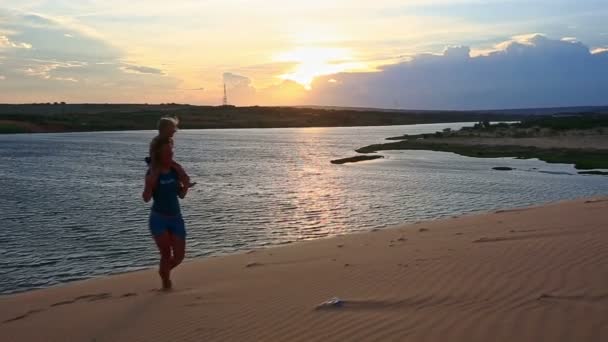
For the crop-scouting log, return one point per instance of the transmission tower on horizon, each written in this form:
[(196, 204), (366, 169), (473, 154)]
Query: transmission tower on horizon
[(225, 98)]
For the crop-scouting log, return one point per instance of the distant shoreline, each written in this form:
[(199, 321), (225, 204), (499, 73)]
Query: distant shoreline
[(582, 141), (182, 129), (55, 118)]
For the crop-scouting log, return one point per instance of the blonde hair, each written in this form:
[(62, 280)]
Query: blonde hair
[(167, 121)]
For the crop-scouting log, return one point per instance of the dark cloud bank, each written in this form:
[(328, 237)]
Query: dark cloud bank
[(532, 71)]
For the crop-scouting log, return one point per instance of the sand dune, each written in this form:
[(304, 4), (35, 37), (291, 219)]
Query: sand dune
[(526, 275)]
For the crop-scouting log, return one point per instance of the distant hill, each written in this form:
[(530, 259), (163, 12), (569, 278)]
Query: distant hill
[(518, 111), (61, 117), (552, 111)]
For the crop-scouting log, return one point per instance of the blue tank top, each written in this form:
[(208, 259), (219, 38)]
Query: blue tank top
[(165, 195)]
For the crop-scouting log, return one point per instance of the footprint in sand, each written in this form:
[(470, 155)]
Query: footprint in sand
[(576, 298), (25, 315), (93, 297), (596, 201), (89, 298), (65, 302), (522, 231), (520, 237), (516, 210)]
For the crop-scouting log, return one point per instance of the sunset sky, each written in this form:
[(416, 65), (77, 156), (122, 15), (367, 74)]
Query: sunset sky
[(431, 54)]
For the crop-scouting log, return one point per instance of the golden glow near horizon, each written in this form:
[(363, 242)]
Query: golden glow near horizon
[(313, 62)]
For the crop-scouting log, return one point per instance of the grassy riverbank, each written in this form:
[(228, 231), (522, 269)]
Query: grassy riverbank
[(580, 140)]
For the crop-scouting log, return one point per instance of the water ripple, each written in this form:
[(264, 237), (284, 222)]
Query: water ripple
[(71, 206)]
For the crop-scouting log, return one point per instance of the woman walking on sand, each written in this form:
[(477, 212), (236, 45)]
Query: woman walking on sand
[(166, 223)]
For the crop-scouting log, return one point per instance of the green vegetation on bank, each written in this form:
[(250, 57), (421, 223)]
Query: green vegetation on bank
[(571, 127), (60, 117), (582, 159), (12, 128), (529, 127), (587, 121)]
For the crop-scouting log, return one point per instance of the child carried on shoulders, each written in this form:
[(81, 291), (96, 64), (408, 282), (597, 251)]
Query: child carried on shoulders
[(167, 126)]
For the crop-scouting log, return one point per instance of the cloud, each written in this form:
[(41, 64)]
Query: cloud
[(526, 71), (66, 79), (71, 62), (599, 50), (285, 93), (5, 42), (49, 38), (236, 81), (44, 69), (457, 52), (53, 69), (139, 69), (241, 91)]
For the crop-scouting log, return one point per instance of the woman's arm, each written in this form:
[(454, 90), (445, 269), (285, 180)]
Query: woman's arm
[(151, 181)]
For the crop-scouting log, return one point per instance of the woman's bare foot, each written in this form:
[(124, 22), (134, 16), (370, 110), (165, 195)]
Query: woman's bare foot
[(167, 285), (164, 276)]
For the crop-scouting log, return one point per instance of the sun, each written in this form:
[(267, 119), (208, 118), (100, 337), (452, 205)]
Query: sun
[(313, 62)]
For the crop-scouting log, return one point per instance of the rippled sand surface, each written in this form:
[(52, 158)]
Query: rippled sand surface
[(525, 274)]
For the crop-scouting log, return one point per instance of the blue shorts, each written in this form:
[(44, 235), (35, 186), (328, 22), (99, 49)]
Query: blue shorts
[(161, 223)]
